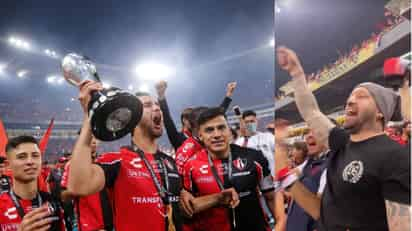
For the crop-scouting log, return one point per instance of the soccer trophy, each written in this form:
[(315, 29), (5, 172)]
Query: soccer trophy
[(113, 112)]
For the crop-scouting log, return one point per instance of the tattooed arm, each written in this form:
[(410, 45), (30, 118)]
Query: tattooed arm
[(398, 216)]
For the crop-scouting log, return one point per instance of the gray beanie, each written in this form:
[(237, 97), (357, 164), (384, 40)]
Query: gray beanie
[(387, 100)]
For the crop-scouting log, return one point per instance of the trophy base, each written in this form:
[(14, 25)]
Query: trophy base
[(114, 114)]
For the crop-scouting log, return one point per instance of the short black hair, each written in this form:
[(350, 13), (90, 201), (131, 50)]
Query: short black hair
[(16, 141), (186, 114), (248, 113), (210, 114), (194, 116), (141, 93)]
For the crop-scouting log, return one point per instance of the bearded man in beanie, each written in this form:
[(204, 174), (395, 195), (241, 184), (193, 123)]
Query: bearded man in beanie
[(368, 174)]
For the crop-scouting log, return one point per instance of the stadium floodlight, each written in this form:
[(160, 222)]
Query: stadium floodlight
[(60, 80), (144, 88), (2, 68), (47, 51), (72, 99), (272, 43), (154, 71), (130, 87), (277, 9), (106, 85), (51, 79), (19, 43), (22, 73)]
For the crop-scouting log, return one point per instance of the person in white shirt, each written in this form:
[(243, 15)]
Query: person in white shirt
[(263, 141)]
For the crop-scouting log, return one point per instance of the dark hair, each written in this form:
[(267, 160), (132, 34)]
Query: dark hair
[(234, 133), (248, 113), (210, 114), (186, 114), (301, 146), (194, 116), (141, 93), (16, 141)]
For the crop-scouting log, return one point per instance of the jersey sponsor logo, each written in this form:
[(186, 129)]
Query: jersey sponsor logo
[(353, 172), (204, 179), (204, 169), (137, 174), (136, 162), (240, 163), (11, 213), (9, 227), (146, 200), (187, 147)]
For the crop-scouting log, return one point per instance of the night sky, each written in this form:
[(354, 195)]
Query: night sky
[(208, 42), (318, 29)]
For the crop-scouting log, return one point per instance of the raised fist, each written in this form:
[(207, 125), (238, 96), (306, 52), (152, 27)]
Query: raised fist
[(289, 62), (161, 89)]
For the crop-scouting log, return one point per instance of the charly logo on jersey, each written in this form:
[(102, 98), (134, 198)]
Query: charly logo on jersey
[(353, 172), (240, 163), (204, 169), (136, 162), (11, 213)]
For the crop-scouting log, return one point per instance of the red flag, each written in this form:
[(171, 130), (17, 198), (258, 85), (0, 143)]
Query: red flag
[(3, 139), (45, 139)]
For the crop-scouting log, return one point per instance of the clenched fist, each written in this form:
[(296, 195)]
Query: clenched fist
[(289, 62), (230, 89), (161, 89)]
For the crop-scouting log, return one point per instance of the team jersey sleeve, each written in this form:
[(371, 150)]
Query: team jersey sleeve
[(187, 177), (110, 163), (264, 175), (396, 176)]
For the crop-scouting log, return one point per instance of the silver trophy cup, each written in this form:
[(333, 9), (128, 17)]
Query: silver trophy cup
[(113, 112)]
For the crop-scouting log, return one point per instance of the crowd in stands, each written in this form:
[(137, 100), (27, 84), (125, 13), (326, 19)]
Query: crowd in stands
[(348, 60)]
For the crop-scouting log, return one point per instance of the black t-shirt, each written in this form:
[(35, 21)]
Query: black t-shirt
[(360, 177)]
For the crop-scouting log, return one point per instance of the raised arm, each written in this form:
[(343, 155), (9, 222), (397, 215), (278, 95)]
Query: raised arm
[(175, 137), (228, 97), (85, 178), (304, 98)]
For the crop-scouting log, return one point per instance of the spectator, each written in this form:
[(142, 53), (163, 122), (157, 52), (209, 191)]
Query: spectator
[(299, 153), (5, 182), (366, 169), (263, 141)]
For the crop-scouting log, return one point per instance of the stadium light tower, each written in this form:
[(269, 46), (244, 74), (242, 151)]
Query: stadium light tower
[(51, 79), (19, 43), (154, 71)]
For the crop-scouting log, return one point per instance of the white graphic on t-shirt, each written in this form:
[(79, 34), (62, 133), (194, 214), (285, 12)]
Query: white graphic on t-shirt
[(204, 169), (353, 172), (11, 213), (136, 162)]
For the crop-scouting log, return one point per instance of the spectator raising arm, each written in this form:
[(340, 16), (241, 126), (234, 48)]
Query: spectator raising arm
[(176, 138), (304, 98), (228, 98)]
